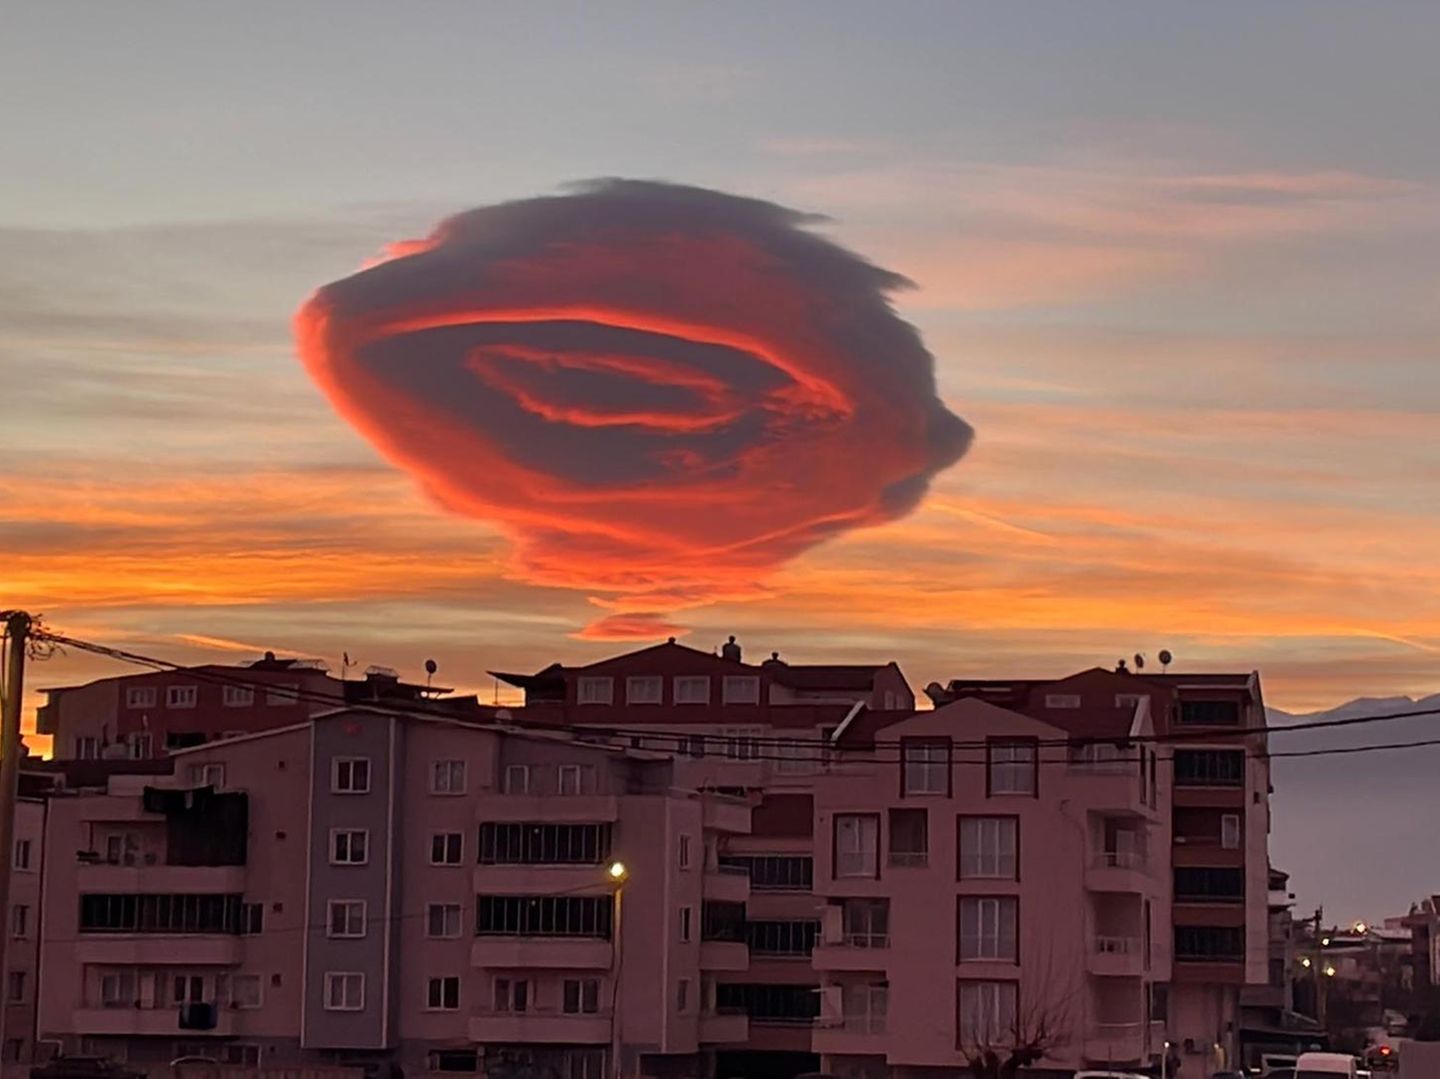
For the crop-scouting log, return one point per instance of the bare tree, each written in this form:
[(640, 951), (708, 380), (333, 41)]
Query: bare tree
[(1040, 1026)]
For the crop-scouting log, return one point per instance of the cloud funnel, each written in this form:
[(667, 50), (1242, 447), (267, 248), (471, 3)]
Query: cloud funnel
[(661, 393)]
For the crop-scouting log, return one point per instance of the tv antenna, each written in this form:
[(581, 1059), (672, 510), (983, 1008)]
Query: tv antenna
[(430, 668)]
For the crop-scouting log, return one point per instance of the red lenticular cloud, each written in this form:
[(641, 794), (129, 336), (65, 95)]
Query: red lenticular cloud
[(662, 393)]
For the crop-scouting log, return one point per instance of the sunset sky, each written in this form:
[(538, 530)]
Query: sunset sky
[(1179, 267)]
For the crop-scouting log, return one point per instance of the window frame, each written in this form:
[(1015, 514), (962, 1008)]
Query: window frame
[(337, 764), (962, 853), (907, 858), (1001, 939), (335, 978), (927, 767), (142, 697), (696, 681), (432, 909), (232, 696), (649, 681), (737, 689), (443, 982), (350, 833), (992, 745), (969, 1039), (445, 861), (175, 698), (595, 682), (508, 784), (350, 905), (449, 764), (873, 872)]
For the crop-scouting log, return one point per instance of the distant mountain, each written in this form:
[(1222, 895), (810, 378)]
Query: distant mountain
[(1358, 832)]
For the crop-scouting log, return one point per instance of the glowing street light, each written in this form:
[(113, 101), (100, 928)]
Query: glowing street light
[(1361, 927), (1305, 962), (1329, 972), (618, 871)]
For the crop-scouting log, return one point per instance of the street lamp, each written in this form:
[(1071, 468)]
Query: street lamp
[(619, 873)]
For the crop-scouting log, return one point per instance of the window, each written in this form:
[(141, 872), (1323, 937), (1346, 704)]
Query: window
[(252, 918), (22, 854), (1200, 942), (350, 775), (682, 995), (453, 1060), (442, 994), (286, 693), (1062, 700), (864, 1006), (206, 775), (788, 938), (1230, 831), (141, 697), (517, 779), (595, 690), (87, 748), (580, 996), (15, 989), (987, 928), (722, 921), (117, 989), (1013, 767), (1209, 713), (1209, 884), (446, 848), (349, 846), (989, 848), (142, 746), (119, 849), (686, 917), (789, 1004), (238, 696), (245, 990), (344, 991), (865, 923), (1209, 767), (774, 872), (577, 779), (163, 912), (544, 915), (694, 745), (523, 843), (447, 777), (187, 989), (909, 836), (856, 840), (742, 744), (987, 1013), (346, 918), (740, 689), (925, 766), (512, 995), (644, 689), (692, 689), (181, 696), (20, 920), (442, 920), (683, 855)]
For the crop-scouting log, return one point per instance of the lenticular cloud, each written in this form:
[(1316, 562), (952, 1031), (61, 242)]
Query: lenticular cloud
[(661, 393)]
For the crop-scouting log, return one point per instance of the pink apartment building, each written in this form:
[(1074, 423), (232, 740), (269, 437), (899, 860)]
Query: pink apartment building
[(395, 891)]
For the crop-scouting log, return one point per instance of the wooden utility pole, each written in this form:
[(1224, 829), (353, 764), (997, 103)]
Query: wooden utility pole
[(1317, 968), (17, 640)]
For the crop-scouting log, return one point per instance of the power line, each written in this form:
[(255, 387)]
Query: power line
[(753, 742)]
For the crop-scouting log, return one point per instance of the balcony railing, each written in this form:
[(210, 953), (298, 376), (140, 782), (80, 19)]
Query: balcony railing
[(863, 1024), (731, 870), (1120, 859), (1105, 945)]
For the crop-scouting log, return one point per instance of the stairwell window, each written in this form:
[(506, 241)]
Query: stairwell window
[(349, 846), (644, 689), (988, 928), (22, 854), (857, 838), (345, 919), (181, 696), (20, 921), (350, 775), (925, 766), (442, 994), (989, 848), (1013, 767), (344, 991), (18, 985), (595, 690), (442, 921)]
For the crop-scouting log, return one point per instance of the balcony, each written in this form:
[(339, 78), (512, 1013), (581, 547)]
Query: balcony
[(539, 879), (1109, 786), (145, 1022), (724, 955), (1117, 1043), (1116, 957), (552, 953), (1119, 871), (545, 1026), (854, 951), (160, 879), (724, 1028), (551, 808), (726, 883), (722, 814), (160, 949), (857, 1035)]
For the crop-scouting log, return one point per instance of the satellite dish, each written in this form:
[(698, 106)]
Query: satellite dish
[(431, 666), (1139, 661), (1165, 657)]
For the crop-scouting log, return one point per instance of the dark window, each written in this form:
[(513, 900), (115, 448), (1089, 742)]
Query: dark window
[(1209, 884), (909, 836), (1209, 767), (1201, 942), (788, 1004), (252, 918), (581, 996), (722, 921), (160, 913), (543, 915), (782, 937), (1277, 972), (454, 1060), (775, 872), (544, 844), (1159, 1002), (1210, 713), (1013, 767)]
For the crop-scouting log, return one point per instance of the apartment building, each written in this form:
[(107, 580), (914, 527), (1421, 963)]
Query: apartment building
[(145, 715), (17, 1029), (414, 892), (1213, 732)]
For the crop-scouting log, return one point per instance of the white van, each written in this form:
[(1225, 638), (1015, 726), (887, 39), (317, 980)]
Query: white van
[(1325, 1066)]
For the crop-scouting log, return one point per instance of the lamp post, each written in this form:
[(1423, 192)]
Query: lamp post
[(618, 874)]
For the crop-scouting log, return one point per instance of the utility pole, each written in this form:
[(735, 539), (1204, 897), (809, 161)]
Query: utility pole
[(17, 631), (1317, 970)]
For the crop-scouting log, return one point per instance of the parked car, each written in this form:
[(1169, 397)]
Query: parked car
[(1326, 1066)]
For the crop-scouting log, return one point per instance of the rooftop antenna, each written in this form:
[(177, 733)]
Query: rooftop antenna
[(430, 668), (1165, 660), (345, 665)]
